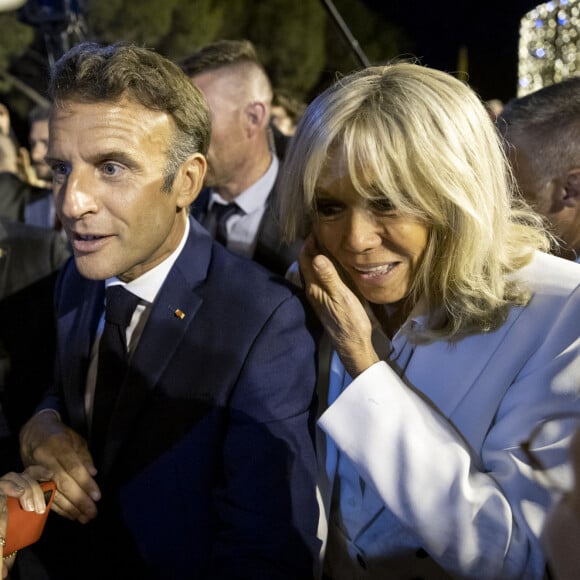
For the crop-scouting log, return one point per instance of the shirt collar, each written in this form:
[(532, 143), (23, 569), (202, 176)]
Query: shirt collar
[(255, 196), (148, 284)]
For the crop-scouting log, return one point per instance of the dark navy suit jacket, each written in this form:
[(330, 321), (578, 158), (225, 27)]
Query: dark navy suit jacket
[(210, 464)]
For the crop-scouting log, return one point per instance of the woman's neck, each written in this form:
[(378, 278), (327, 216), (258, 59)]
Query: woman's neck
[(392, 316)]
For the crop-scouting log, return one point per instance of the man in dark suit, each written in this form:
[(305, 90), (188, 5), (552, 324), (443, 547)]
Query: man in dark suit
[(203, 465), (243, 162), (23, 197), (40, 210), (19, 200)]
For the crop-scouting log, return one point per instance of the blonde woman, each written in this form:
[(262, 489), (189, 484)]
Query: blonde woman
[(453, 330)]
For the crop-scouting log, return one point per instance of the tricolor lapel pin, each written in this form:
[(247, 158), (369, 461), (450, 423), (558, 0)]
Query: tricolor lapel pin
[(177, 312)]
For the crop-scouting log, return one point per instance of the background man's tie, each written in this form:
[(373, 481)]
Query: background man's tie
[(217, 218)]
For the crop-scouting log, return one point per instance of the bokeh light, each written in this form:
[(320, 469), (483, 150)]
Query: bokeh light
[(549, 45)]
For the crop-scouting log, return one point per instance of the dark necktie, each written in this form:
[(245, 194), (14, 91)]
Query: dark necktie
[(112, 363), (217, 218)]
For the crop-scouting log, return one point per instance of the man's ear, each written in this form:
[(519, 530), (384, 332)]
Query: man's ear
[(572, 188), (191, 175), (257, 116)]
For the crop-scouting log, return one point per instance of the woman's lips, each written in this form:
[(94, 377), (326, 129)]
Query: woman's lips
[(375, 271)]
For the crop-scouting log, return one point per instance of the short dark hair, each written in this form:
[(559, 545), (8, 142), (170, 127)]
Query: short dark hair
[(39, 113), (548, 121), (220, 54), (551, 106), (89, 72)]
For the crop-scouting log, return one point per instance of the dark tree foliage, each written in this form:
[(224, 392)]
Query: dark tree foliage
[(16, 38), (299, 43), (290, 40), (380, 41)]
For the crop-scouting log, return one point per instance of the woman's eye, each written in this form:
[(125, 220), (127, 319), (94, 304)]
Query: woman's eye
[(382, 205), (327, 208)]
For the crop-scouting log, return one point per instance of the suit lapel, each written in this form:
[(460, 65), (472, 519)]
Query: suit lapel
[(77, 327), (478, 381)]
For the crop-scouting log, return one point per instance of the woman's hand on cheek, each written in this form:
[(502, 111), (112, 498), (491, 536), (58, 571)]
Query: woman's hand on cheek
[(338, 308)]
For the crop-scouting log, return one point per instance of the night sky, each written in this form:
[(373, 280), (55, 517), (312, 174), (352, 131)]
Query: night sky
[(489, 29)]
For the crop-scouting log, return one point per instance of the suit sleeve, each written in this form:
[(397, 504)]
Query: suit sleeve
[(268, 505)]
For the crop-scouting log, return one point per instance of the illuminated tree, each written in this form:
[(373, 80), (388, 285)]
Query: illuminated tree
[(549, 49)]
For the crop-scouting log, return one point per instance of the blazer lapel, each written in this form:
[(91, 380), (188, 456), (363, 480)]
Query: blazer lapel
[(482, 375)]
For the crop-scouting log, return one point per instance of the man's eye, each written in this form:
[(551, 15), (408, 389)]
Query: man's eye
[(110, 169), (59, 169)]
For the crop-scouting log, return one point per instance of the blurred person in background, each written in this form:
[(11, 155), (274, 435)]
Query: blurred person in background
[(286, 111), (542, 133), (38, 144), (238, 201), (23, 196), (41, 210), (30, 259)]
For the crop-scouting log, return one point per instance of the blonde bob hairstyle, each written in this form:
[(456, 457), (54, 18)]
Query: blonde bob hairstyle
[(425, 141)]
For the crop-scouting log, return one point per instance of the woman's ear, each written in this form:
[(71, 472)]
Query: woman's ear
[(191, 175)]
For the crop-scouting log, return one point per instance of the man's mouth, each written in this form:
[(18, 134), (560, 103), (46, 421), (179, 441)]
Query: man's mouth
[(87, 238)]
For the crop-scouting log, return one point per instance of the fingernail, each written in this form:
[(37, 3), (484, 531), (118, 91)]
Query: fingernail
[(318, 263)]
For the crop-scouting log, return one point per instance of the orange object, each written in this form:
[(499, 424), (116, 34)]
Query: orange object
[(25, 528)]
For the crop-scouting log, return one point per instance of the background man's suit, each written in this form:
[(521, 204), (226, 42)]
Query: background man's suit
[(23, 202), (271, 251), (209, 464)]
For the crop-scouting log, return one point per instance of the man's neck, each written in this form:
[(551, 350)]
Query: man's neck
[(247, 178)]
